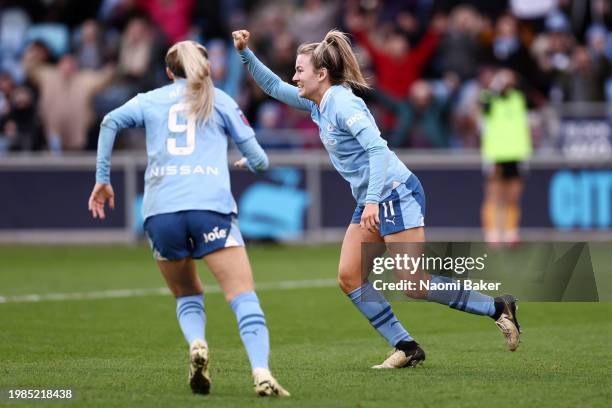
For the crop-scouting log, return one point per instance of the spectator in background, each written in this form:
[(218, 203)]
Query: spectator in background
[(14, 24), (282, 57), (460, 54), (554, 46), (602, 12), (19, 127), (396, 64), (584, 80), (506, 142), (270, 24), (88, 46), (136, 71), (508, 51), (225, 67), (422, 118), (65, 98), (310, 22), (54, 35), (115, 14), (135, 50), (599, 41), (486, 8), (173, 17), (410, 15), (460, 50)]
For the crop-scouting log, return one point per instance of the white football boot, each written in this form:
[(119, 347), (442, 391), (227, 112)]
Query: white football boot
[(406, 354), (507, 322), (199, 375), (265, 385)]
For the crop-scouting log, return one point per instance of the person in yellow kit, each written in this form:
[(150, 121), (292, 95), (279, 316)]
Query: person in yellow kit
[(506, 143)]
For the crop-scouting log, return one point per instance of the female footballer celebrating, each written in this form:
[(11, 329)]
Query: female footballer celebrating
[(188, 206), (381, 184)]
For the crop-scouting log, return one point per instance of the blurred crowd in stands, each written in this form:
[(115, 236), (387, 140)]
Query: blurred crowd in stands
[(65, 63)]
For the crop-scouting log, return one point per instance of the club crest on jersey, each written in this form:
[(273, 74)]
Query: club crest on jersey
[(215, 234), (354, 119), (328, 141)]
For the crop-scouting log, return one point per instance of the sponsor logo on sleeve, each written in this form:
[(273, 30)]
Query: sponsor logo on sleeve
[(355, 118)]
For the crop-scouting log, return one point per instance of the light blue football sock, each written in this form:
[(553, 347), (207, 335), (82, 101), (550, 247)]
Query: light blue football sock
[(191, 316), (469, 301), (252, 328), (378, 312)]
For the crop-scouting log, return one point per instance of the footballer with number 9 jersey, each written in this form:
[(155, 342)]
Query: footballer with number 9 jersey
[(188, 206), (390, 198)]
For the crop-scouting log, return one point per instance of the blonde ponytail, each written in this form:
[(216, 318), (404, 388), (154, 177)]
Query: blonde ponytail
[(335, 54), (189, 60)]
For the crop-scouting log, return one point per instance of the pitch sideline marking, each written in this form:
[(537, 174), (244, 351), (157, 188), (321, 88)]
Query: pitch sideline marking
[(129, 293)]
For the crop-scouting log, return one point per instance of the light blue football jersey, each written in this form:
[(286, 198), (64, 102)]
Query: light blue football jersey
[(187, 166), (348, 132)]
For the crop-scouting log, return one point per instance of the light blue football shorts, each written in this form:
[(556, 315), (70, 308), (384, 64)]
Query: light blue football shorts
[(403, 209)]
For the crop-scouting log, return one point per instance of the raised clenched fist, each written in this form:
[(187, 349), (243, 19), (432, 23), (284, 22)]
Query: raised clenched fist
[(241, 39)]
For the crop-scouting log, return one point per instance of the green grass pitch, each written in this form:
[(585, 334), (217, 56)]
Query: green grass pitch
[(130, 352)]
